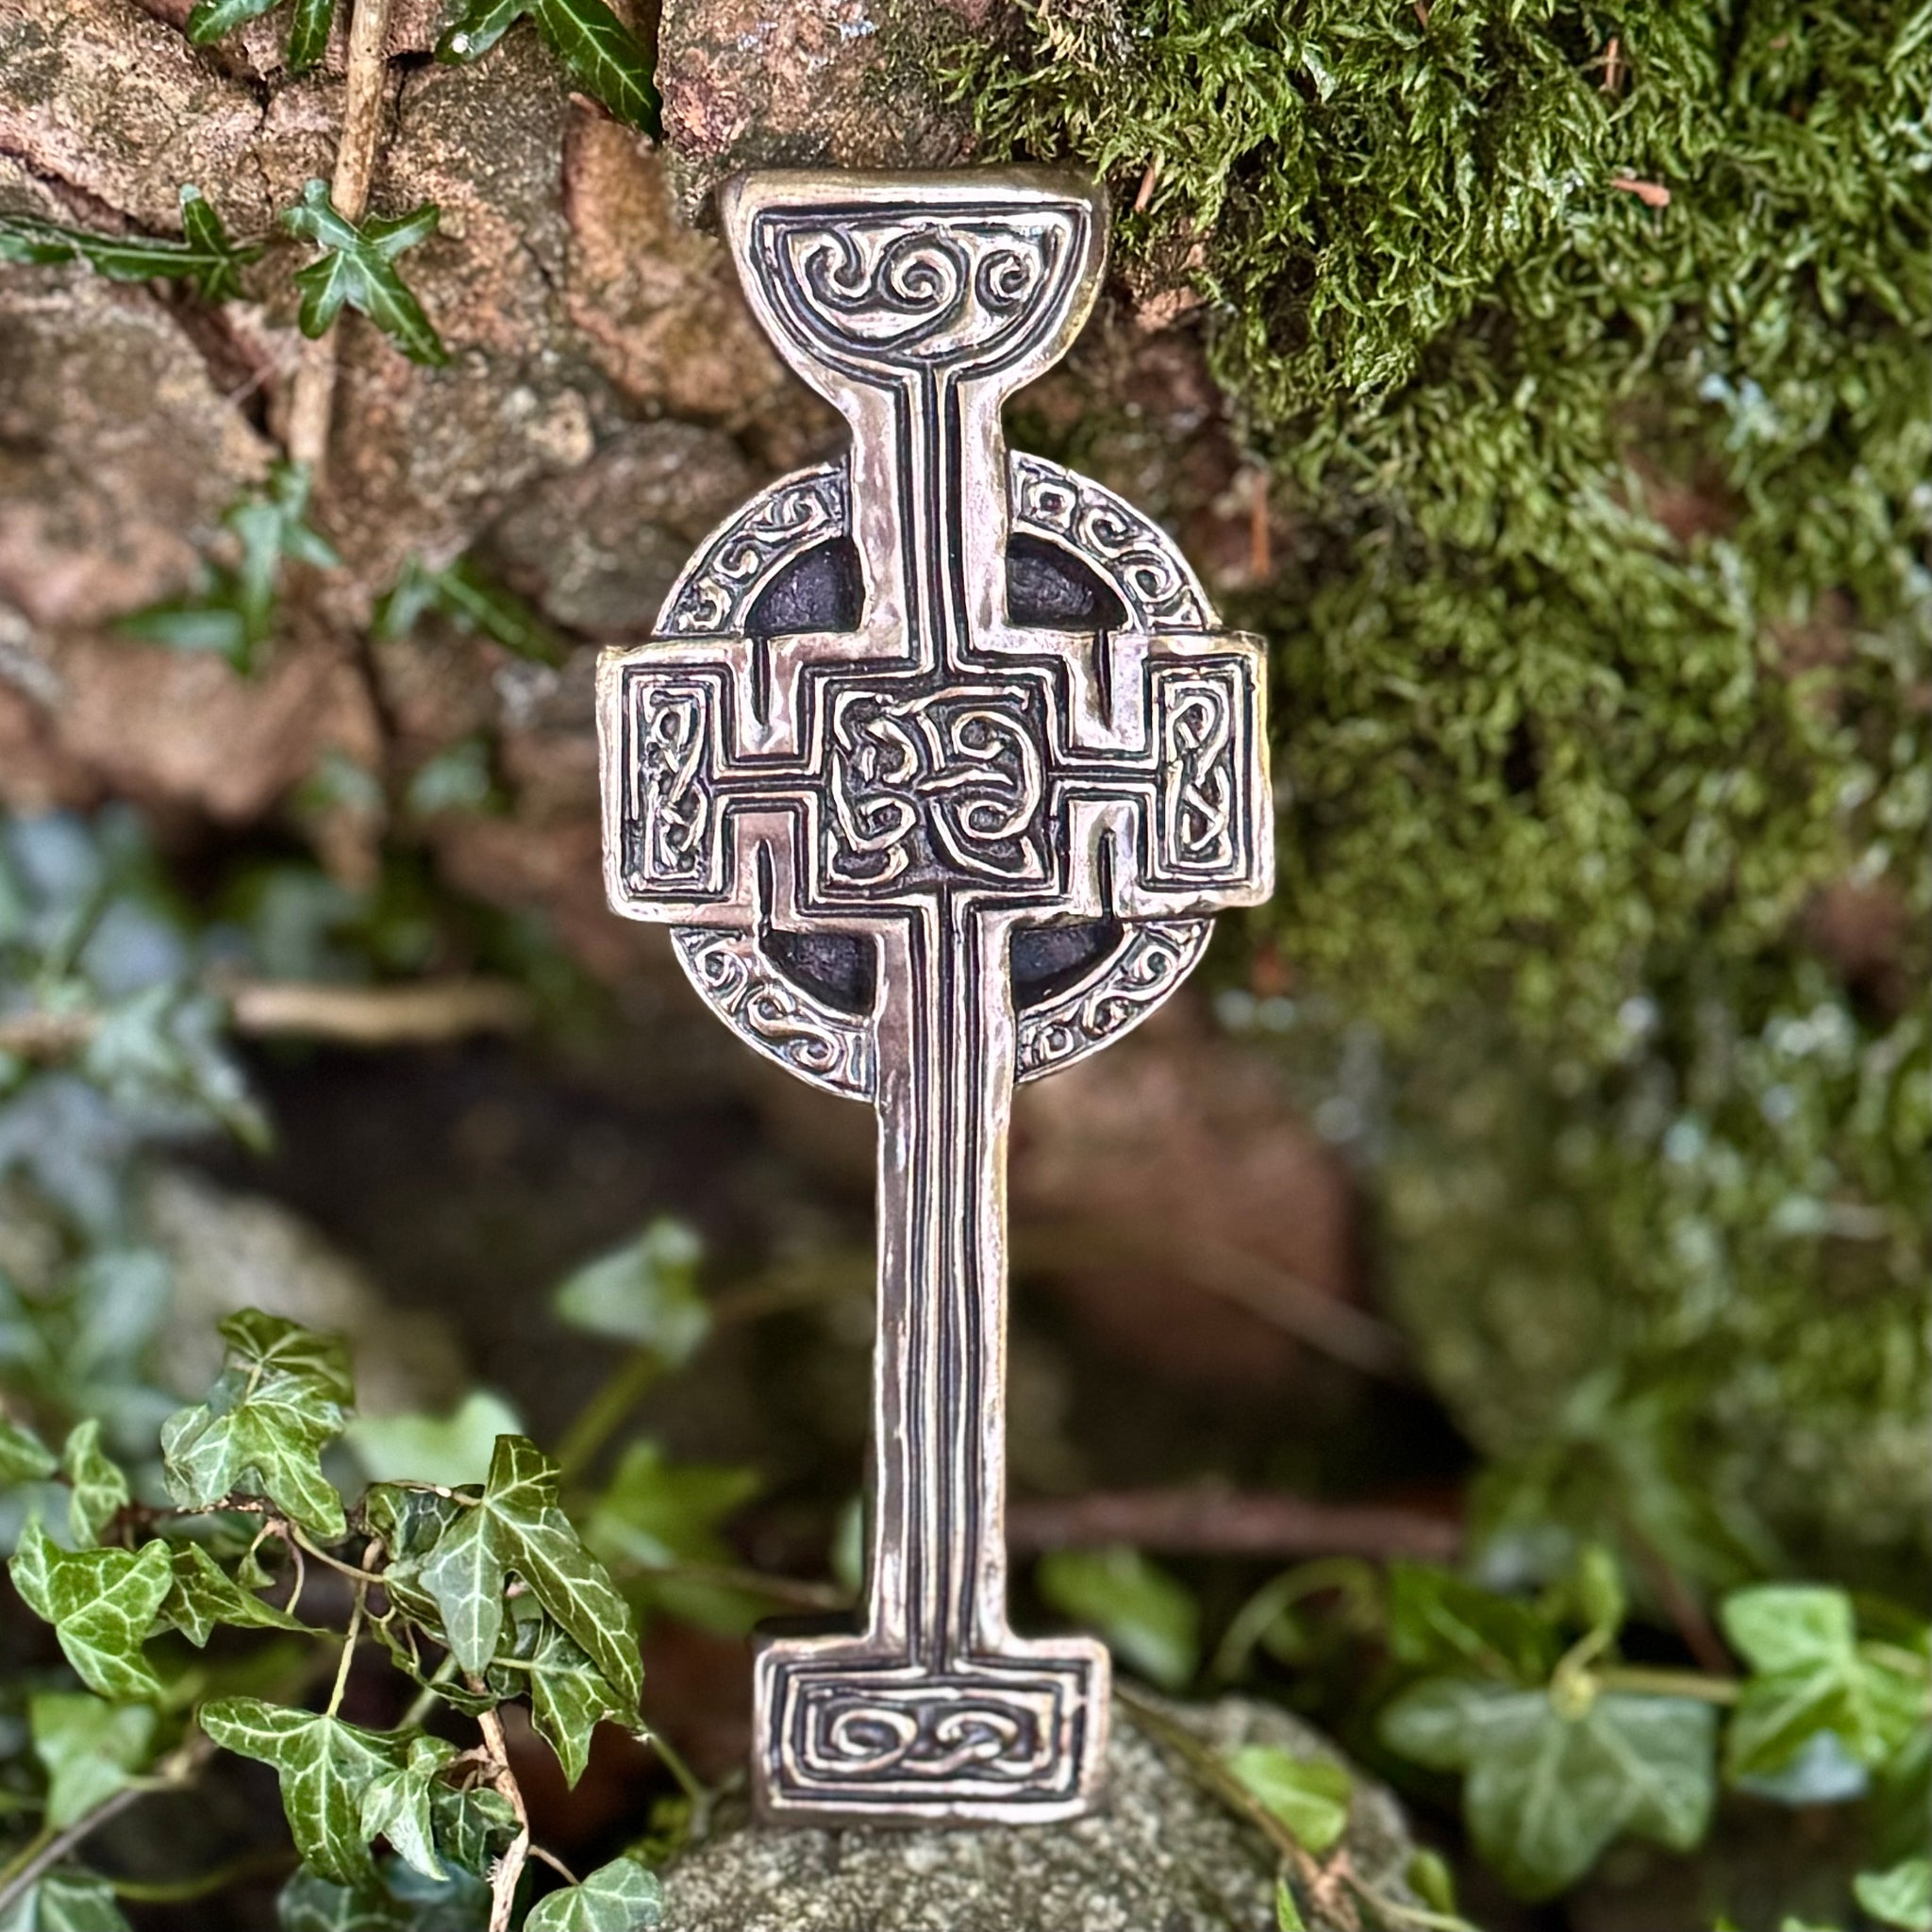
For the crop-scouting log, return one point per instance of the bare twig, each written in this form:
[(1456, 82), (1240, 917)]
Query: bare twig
[(509, 1868), (379, 1015), (1229, 1522), (1149, 181), (312, 397), (422, 1013)]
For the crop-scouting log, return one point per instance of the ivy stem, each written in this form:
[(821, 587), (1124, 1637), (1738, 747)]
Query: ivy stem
[(312, 397), (599, 1419), (1668, 1683)]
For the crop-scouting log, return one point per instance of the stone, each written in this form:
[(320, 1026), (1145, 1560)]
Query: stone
[(817, 84), (1160, 1853), (597, 549)]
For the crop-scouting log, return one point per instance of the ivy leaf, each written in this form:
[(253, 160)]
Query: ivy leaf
[(1812, 1675), (395, 1806), (357, 270), (621, 1896), (398, 1900), (277, 1404), (451, 1449), (24, 1457), (102, 1605), (202, 1595), (569, 1694), (646, 1292), (67, 1900), (1148, 1619), (517, 1525), (1546, 1793), (603, 57), (204, 255), (1901, 1897), (473, 601), (87, 1747), (309, 27), (472, 1826), (1439, 1621), (100, 1488), (326, 1768), (232, 614), (1309, 1795)]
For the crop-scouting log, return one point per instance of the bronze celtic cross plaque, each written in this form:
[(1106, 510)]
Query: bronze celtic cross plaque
[(938, 764)]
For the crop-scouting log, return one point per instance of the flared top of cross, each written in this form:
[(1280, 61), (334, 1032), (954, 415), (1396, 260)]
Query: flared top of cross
[(989, 280)]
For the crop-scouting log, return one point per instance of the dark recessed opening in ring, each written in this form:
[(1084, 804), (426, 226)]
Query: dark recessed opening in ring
[(840, 968), (821, 588), (1051, 589), (1047, 960)]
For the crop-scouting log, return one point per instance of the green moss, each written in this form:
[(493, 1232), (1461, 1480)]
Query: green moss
[(1602, 635), (1530, 734)]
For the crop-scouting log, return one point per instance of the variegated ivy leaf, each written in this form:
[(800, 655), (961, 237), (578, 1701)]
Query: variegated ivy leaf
[(568, 1695), (326, 1769), (102, 1605), (100, 1489), (603, 56), (24, 1457), (233, 611), (399, 1900), (396, 1805), (516, 1526), (357, 270), (262, 1430), (87, 1747), (204, 255), (202, 1595), (308, 25), (66, 1899), (1548, 1790), (472, 1826), (1811, 1674), (621, 1896)]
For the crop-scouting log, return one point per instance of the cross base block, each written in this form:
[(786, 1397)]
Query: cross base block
[(849, 1736)]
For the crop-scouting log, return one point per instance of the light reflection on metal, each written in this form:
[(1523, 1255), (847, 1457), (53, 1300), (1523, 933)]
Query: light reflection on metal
[(940, 765)]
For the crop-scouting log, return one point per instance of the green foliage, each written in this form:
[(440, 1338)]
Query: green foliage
[(357, 270), (1548, 1789), (395, 1828), (308, 25), (1602, 604), (644, 1293), (204, 255), (601, 53), (621, 1896), (471, 600), (1308, 1795), (102, 1605), (1812, 1675), (232, 611), (66, 1899), (89, 1748), (1901, 1897), (1150, 1621), (278, 1405), (97, 1484), (449, 1449), (516, 1525)]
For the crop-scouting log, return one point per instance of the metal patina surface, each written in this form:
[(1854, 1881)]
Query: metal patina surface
[(939, 766)]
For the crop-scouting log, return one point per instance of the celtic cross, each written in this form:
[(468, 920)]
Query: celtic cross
[(938, 764)]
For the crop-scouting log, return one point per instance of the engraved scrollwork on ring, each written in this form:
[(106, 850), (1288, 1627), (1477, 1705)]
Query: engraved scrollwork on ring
[(714, 595), (1134, 554), (1154, 957), (780, 1019)]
